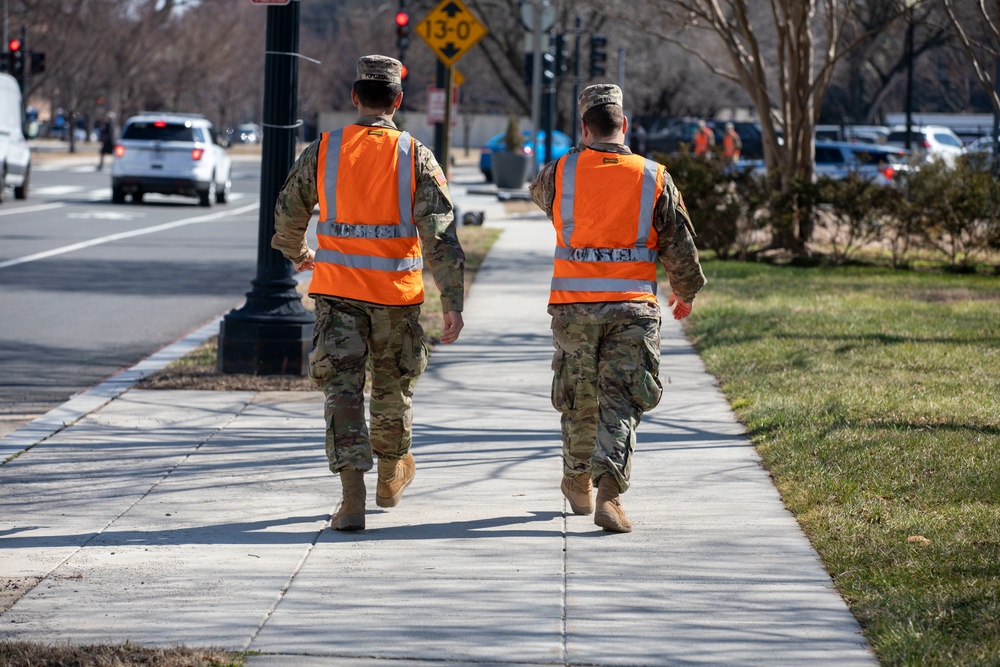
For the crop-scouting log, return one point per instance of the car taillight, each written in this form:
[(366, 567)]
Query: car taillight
[(119, 151), (888, 172), (160, 123), (196, 153), (927, 144)]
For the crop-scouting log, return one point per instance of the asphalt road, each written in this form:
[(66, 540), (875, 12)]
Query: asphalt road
[(88, 288)]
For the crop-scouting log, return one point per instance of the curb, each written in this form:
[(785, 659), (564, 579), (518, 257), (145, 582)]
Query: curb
[(82, 404)]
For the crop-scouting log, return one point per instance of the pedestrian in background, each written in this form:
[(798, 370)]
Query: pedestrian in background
[(614, 214), (704, 140), (383, 200), (106, 135), (731, 145)]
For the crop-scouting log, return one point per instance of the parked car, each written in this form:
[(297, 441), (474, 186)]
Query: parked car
[(248, 133), (172, 154), (867, 134), (15, 156), (561, 143), (838, 159), (929, 141)]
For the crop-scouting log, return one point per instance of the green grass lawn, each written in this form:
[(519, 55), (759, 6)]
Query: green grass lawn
[(873, 397)]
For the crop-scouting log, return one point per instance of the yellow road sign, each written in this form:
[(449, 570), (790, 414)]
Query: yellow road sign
[(450, 30)]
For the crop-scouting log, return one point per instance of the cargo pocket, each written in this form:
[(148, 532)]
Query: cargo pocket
[(413, 354), (646, 388), (563, 384), (321, 362)]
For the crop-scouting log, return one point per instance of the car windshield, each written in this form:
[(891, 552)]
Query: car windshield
[(144, 131)]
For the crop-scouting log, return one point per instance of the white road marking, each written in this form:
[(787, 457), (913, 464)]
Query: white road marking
[(56, 190), (125, 235)]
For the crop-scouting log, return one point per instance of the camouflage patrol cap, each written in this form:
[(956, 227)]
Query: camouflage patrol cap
[(598, 94), (379, 68)]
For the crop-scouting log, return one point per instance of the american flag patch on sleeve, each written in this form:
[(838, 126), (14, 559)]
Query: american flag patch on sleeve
[(439, 177)]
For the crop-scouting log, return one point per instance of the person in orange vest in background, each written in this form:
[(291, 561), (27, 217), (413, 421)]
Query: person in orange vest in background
[(731, 145), (384, 207), (615, 215), (703, 140)]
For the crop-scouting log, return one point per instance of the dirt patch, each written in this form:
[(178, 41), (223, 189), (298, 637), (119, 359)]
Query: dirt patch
[(12, 588)]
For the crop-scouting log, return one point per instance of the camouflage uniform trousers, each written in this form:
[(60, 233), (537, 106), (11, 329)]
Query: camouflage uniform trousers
[(606, 374), (348, 337)]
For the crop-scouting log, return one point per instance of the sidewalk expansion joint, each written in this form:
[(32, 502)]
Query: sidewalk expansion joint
[(284, 589)]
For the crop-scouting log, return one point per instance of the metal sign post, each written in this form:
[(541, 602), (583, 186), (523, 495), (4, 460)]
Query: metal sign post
[(450, 30)]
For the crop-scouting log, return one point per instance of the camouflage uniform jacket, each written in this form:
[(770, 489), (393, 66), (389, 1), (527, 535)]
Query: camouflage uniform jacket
[(433, 215), (675, 233)]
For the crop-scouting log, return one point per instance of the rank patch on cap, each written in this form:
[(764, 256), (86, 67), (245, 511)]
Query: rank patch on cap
[(439, 177)]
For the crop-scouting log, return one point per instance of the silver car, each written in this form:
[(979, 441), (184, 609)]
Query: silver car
[(171, 154)]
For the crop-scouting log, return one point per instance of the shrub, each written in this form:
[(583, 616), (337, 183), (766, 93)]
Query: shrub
[(953, 211), (721, 203), (857, 213)]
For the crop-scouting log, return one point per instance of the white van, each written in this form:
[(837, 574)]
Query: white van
[(15, 157)]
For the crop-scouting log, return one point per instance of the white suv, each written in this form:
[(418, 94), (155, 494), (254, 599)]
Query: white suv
[(934, 141), (172, 154)]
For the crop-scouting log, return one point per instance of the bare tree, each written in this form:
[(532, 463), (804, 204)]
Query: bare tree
[(782, 53), (977, 26)]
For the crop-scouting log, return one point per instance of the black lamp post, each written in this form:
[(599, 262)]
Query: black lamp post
[(272, 333)]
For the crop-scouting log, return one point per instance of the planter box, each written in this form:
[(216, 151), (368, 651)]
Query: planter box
[(510, 170)]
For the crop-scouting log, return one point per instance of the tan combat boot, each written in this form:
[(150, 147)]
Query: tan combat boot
[(579, 491), (393, 478), (610, 515), (351, 514)]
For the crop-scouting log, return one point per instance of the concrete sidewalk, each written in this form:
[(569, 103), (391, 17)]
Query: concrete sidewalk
[(202, 518)]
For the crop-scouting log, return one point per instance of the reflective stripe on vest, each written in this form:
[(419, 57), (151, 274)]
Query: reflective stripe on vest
[(604, 273), (369, 250)]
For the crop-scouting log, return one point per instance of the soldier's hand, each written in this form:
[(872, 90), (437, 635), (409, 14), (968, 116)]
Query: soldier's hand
[(452, 326), (680, 308), (308, 263)]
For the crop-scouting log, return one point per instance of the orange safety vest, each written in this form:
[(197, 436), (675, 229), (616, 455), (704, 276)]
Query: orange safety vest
[(729, 146), (606, 245), (701, 141), (368, 244)]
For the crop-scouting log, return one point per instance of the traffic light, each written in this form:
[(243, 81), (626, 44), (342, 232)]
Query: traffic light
[(15, 59), (598, 55), (37, 62), (562, 55), (402, 30), (548, 69)]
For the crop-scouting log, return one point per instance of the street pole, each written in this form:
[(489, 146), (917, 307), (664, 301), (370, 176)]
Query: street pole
[(272, 333), (449, 83), (909, 76), (536, 76), (996, 118), (550, 102), (576, 79)]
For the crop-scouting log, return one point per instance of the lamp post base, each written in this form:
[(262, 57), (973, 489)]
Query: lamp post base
[(264, 348)]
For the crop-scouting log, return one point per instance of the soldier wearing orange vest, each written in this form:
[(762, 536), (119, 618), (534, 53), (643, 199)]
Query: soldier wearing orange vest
[(703, 140), (384, 207), (615, 215)]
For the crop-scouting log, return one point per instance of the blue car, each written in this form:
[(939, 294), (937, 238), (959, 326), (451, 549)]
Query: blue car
[(561, 144)]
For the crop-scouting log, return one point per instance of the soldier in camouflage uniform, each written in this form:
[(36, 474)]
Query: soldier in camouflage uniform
[(363, 316), (606, 330)]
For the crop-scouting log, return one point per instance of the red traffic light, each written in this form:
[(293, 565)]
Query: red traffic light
[(402, 19), (14, 45), (406, 70)]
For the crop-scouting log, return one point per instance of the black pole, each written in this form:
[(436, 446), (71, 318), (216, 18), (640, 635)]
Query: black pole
[(550, 102), (909, 81), (439, 127), (272, 333), (576, 79), (996, 120)]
